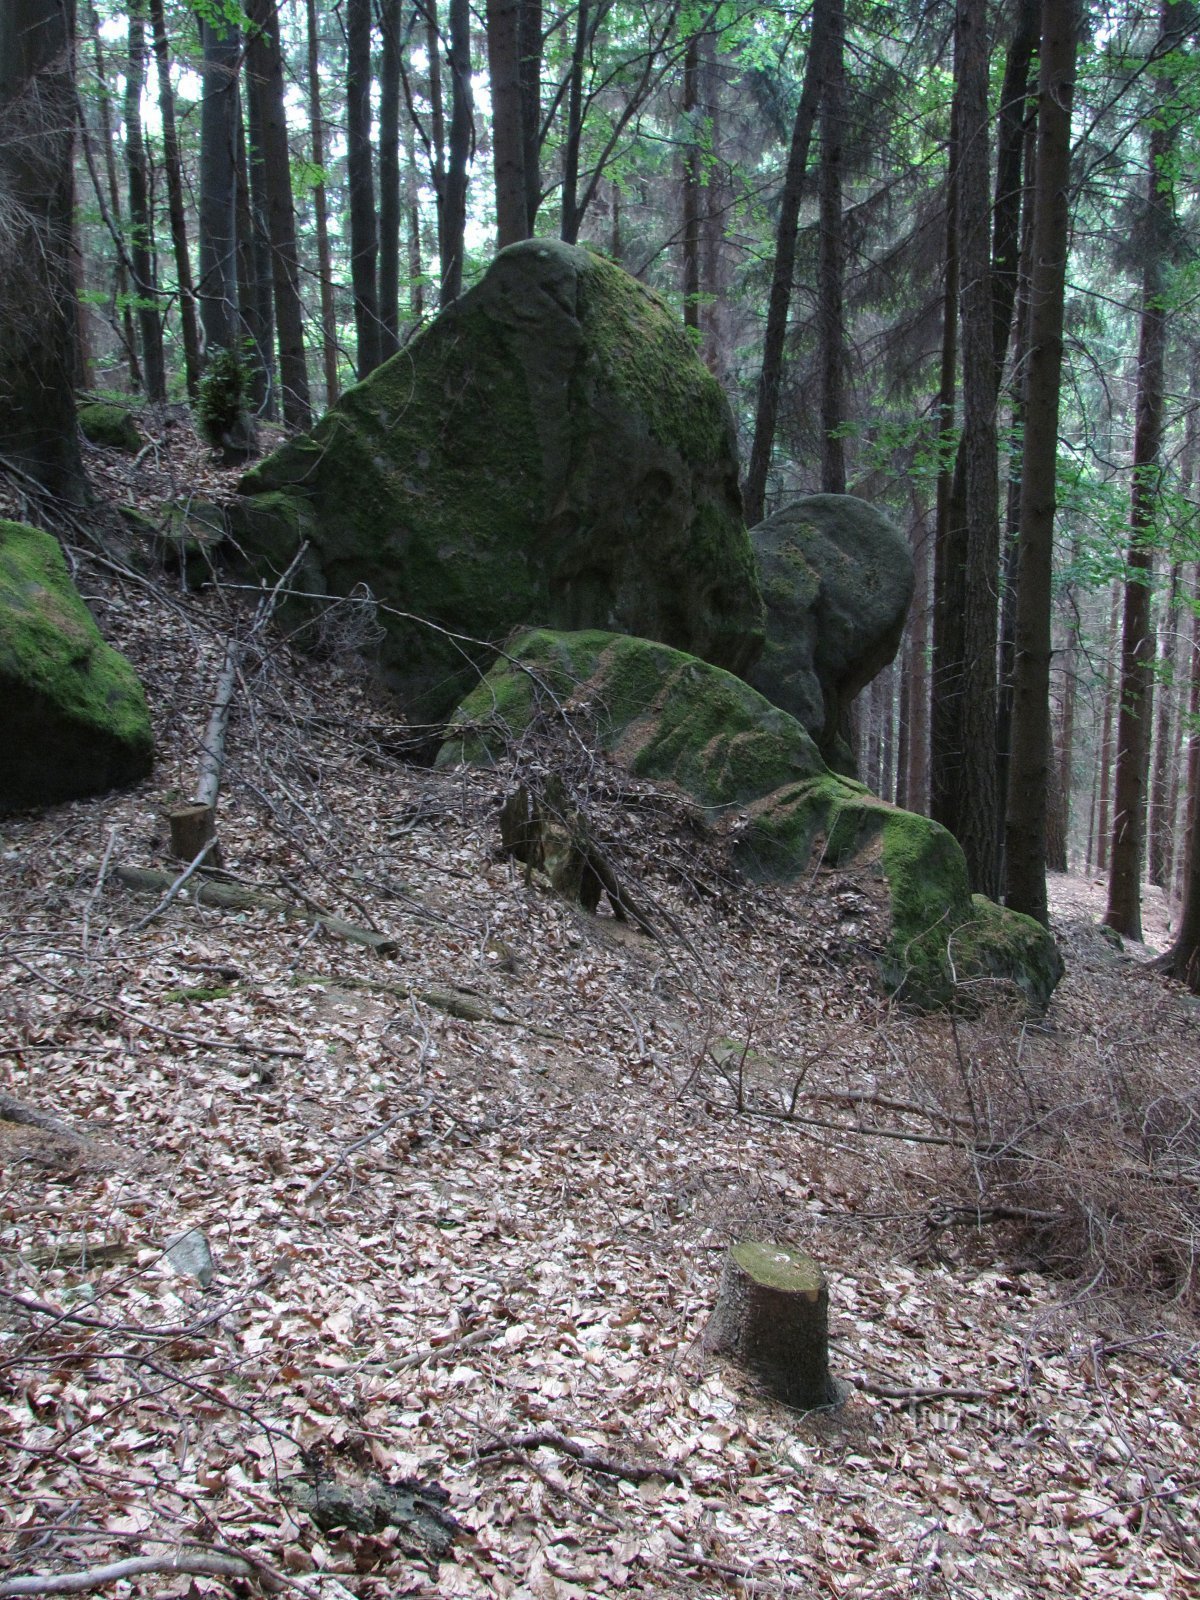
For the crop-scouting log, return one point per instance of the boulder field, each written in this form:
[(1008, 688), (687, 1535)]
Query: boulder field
[(73, 717), (549, 450), (671, 718)]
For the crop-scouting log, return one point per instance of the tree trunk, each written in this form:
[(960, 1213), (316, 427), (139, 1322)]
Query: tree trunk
[(1030, 757), (38, 311), (569, 228), (508, 153), (916, 777), (329, 345), (772, 1315), (462, 117), (831, 260), (175, 203), (1162, 789), (1104, 796), (412, 197), (1137, 638), (389, 177), (531, 108), (364, 246), (120, 278), (693, 159), (264, 63), (141, 237), (255, 303), (219, 122), (783, 272)]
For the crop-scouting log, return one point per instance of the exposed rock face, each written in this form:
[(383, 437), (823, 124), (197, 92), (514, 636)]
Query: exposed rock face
[(73, 716), (667, 716), (837, 579), (550, 450)]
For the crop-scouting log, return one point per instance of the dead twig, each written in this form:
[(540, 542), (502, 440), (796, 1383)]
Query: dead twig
[(200, 1563), (551, 1439), (188, 1330), (359, 1144)]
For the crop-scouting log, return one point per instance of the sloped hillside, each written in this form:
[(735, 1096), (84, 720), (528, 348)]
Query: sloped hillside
[(385, 1271)]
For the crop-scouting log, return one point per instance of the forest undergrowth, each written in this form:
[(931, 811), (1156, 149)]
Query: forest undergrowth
[(445, 1217)]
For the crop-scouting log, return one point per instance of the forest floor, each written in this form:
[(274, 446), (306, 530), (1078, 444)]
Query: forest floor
[(456, 1250)]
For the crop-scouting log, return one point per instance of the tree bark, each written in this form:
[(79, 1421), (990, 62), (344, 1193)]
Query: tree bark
[(508, 151), (693, 156), (120, 278), (772, 1315), (141, 237), (389, 177), (831, 259), (458, 151), (1030, 756), (175, 204), (264, 62), (255, 302), (784, 270), (364, 244), (329, 345), (1162, 795), (219, 122), (1137, 638), (38, 310), (569, 227), (530, 38)]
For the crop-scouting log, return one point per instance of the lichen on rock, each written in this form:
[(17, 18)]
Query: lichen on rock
[(549, 450), (73, 717)]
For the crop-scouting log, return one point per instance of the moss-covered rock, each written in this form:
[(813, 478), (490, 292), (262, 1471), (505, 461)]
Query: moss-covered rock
[(837, 580), (669, 717), (549, 451), (72, 712), (109, 425)]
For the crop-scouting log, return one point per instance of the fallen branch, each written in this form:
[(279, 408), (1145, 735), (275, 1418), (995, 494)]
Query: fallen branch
[(550, 1439), (236, 897), (199, 1563), (924, 1397), (359, 1144), (134, 1330), (14, 1110), (460, 1003), (206, 849)]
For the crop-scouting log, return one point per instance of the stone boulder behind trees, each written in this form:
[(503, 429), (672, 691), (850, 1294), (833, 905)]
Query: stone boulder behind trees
[(549, 450), (837, 580), (73, 718)]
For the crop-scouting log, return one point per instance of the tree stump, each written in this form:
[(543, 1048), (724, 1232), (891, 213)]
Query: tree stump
[(192, 826), (772, 1316), (547, 831)]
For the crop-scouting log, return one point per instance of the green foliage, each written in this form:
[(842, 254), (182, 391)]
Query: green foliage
[(223, 393)]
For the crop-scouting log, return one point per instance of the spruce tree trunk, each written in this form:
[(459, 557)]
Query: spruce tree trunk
[(693, 157), (120, 278), (1158, 842), (264, 63), (364, 243), (389, 177), (783, 272), (530, 38), (329, 345), (255, 304), (141, 237), (1031, 752), (1137, 638), (508, 152), (38, 310), (219, 124), (458, 151), (831, 259), (175, 205), (569, 226)]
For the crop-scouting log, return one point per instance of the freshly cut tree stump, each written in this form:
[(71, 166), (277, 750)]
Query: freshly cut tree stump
[(192, 826), (772, 1316)]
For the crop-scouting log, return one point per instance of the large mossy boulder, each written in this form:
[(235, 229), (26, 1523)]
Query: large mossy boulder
[(110, 426), (550, 450), (837, 580), (73, 718), (671, 718)]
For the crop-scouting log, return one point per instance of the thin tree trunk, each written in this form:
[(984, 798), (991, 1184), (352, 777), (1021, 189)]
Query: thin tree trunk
[(329, 345), (437, 134), (175, 203), (219, 123), (364, 244), (458, 152), (530, 36), (416, 266), (504, 66), (831, 260), (389, 177), (1137, 637), (120, 278), (1029, 766), (693, 157), (141, 223), (254, 254), (916, 781), (784, 270), (1183, 959), (1158, 842), (1106, 739), (264, 63), (569, 229)]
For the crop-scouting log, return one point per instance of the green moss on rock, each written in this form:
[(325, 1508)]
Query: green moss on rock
[(549, 450), (110, 426), (73, 717), (671, 718)]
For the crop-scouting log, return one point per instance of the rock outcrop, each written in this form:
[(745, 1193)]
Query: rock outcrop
[(73, 716), (549, 450), (669, 717), (837, 580), (110, 425)]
